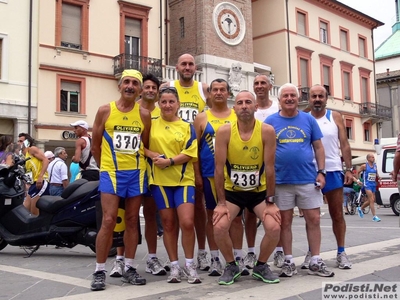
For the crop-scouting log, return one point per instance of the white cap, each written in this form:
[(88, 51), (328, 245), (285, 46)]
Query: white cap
[(49, 154), (80, 123)]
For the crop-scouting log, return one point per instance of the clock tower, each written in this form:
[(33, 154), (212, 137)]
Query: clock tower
[(217, 33)]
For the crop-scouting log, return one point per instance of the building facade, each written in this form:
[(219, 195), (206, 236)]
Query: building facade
[(18, 66), (82, 47)]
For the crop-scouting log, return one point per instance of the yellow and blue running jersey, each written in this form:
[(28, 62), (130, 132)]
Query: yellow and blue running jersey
[(171, 139), (207, 141), (244, 167), (122, 147)]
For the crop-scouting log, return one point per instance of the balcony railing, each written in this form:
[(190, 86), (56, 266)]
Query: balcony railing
[(374, 110), (140, 63), (303, 99)]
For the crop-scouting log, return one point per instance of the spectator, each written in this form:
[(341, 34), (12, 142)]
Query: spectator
[(5, 151), (58, 172)]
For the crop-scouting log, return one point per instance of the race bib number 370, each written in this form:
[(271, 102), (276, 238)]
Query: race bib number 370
[(126, 142)]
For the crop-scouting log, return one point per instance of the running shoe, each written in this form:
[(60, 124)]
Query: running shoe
[(279, 259), (307, 259), (175, 274), (250, 260), (343, 261), (118, 268), (132, 276), (360, 212), (216, 267), (376, 219), (243, 270), (155, 267), (98, 281), (190, 272), (288, 269), (202, 261), (231, 273), (264, 273), (319, 268)]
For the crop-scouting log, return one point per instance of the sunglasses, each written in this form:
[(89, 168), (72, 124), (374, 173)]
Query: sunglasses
[(168, 89)]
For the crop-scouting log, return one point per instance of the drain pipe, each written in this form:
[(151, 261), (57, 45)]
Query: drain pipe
[(288, 40), (30, 68), (161, 35)]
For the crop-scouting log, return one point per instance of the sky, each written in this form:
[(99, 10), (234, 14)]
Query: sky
[(381, 10)]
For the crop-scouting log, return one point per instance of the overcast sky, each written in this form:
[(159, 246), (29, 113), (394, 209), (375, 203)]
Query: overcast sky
[(382, 10)]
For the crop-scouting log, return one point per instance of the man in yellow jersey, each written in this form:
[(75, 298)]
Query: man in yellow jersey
[(120, 133), (36, 167), (193, 99), (206, 125), (245, 178), (149, 96)]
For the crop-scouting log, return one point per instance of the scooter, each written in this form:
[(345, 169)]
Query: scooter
[(64, 221)]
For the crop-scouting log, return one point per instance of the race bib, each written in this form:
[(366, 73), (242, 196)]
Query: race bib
[(371, 177), (245, 180), (126, 142), (188, 113)]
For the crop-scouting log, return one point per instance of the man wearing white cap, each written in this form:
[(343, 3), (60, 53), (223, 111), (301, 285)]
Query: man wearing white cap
[(83, 155), (50, 156)]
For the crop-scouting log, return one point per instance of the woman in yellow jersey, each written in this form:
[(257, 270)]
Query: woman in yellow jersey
[(36, 166), (172, 151)]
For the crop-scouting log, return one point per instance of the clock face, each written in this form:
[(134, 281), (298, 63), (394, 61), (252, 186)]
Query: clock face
[(229, 23)]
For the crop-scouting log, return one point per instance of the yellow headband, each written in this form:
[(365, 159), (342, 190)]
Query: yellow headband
[(132, 73)]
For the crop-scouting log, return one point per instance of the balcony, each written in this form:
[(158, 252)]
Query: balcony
[(140, 63), (374, 112)]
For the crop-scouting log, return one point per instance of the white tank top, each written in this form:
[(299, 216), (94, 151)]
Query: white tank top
[(85, 154), (262, 114), (330, 141)]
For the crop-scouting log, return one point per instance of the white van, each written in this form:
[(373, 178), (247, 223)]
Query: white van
[(388, 194)]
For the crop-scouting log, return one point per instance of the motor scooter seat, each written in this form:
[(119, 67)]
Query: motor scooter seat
[(52, 204)]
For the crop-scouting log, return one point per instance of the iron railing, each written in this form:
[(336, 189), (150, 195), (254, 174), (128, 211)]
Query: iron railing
[(375, 110), (140, 63)]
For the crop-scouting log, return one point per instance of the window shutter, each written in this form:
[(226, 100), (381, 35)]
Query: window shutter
[(71, 24)]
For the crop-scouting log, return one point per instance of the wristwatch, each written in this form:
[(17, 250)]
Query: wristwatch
[(270, 199), (349, 169), (322, 171)]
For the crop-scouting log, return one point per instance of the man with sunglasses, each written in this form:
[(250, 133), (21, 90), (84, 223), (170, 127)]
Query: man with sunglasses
[(120, 134), (334, 138), (193, 99)]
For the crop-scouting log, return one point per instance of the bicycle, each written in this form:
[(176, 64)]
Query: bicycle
[(355, 200)]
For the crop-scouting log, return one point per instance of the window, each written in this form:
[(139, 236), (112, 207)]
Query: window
[(182, 26), (71, 97), (367, 132), (135, 21), (72, 24), (304, 66), (349, 128), (364, 83), (347, 83), (362, 46), (132, 43), (388, 158), (327, 78), (304, 71), (323, 32), (1, 56), (344, 40), (301, 23), (326, 65)]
